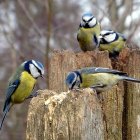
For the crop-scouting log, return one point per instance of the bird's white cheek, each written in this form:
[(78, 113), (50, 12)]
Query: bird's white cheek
[(34, 71), (92, 22), (110, 37)]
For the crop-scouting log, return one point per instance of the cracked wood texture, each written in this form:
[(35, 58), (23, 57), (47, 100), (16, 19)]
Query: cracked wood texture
[(132, 98), (82, 115), (65, 116)]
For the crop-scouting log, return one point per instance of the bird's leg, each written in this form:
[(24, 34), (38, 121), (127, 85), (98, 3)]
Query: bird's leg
[(97, 86), (99, 96), (78, 89), (34, 94)]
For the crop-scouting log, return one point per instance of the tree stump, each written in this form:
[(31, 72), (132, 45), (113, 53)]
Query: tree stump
[(57, 114), (65, 116)]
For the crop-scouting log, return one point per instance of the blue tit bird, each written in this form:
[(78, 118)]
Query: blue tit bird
[(88, 32), (98, 78), (112, 41), (21, 84)]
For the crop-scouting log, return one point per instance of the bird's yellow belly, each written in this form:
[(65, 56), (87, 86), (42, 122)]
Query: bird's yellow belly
[(24, 89), (104, 79), (86, 40), (116, 46)]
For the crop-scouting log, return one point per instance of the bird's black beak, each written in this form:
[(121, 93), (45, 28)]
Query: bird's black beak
[(71, 88), (43, 77)]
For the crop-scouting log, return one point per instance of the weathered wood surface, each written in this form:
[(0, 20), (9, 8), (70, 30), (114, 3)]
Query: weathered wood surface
[(114, 115), (65, 116), (132, 99), (62, 63)]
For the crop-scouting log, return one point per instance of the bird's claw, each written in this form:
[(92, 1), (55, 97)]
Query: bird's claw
[(33, 95)]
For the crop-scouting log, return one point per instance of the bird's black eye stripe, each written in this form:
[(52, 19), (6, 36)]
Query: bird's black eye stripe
[(90, 19), (78, 74), (38, 70), (107, 34), (77, 82), (73, 84), (84, 20)]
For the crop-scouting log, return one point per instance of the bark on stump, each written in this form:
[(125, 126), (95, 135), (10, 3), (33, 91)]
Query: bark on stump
[(114, 115), (65, 116)]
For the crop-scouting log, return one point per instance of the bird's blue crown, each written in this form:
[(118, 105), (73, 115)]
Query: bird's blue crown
[(88, 15), (37, 64), (70, 78)]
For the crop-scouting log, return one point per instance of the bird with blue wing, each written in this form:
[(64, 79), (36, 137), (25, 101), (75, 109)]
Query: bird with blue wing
[(98, 78), (111, 41), (21, 84), (88, 32)]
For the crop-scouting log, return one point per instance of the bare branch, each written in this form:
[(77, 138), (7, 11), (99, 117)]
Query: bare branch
[(49, 11), (21, 4)]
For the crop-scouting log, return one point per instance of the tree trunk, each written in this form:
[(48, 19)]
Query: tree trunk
[(132, 99), (84, 115)]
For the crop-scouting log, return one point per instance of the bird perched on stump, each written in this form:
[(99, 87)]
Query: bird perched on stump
[(21, 84), (88, 32), (98, 78), (112, 41)]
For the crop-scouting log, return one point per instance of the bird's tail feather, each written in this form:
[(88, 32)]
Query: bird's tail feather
[(4, 115), (131, 79)]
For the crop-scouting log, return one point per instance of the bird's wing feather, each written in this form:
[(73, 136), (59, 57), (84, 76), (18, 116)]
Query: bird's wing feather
[(91, 70), (7, 106), (78, 36), (11, 88), (13, 84), (16, 74)]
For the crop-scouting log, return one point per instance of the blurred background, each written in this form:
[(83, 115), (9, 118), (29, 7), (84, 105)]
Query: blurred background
[(33, 29)]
